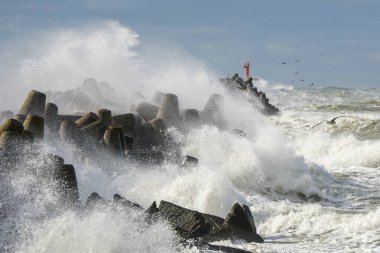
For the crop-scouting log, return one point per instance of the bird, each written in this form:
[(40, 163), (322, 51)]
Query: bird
[(296, 73), (284, 63), (302, 80), (311, 85), (297, 61), (330, 122)]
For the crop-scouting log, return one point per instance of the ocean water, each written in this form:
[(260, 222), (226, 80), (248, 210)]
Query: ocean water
[(310, 189)]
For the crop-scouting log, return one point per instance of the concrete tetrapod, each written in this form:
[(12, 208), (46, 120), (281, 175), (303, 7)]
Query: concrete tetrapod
[(20, 117), (34, 103), (136, 99), (190, 118), (119, 128), (214, 110), (147, 111), (169, 110), (112, 140), (86, 120), (35, 124), (69, 132), (67, 186), (9, 140), (158, 97), (50, 115), (11, 125), (105, 116)]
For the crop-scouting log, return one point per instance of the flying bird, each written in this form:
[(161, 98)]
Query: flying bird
[(330, 122), (302, 80), (284, 63), (296, 73), (311, 85), (297, 61)]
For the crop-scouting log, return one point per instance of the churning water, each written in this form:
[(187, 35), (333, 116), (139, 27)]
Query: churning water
[(310, 189)]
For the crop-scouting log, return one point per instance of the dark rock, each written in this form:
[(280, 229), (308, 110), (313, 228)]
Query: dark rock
[(152, 209), (241, 217), (189, 161), (187, 223), (232, 233), (118, 199)]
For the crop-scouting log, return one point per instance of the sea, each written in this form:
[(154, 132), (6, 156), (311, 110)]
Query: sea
[(310, 187)]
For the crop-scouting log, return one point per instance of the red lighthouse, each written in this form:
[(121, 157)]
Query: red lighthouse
[(246, 70)]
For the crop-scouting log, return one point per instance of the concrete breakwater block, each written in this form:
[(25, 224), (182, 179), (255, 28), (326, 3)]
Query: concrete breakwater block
[(66, 183), (112, 140), (69, 132), (20, 118), (95, 130), (12, 125), (214, 106), (34, 104), (105, 116), (158, 97), (169, 110), (9, 140), (50, 116), (190, 118), (120, 129), (213, 112), (27, 137), (147, 111), (86, 120), (35, 124), (51, 112), (128, 121), (136, 99)]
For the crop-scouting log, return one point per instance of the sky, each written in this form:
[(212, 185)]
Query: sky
[(325, 42)]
